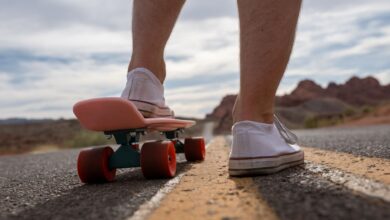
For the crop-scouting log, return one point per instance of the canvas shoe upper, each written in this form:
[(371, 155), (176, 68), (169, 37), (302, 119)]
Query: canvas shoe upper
[(147, 93)]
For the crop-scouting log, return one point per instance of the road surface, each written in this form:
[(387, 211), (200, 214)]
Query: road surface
[(346, 176)]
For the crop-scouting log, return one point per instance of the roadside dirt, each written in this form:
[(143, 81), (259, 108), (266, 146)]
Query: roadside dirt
[(380, 115), (24, 138), (207, 192)]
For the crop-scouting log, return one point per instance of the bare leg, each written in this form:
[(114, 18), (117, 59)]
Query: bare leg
[(153, 21), (267, 29)]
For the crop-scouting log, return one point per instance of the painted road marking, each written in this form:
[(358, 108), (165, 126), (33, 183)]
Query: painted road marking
[(146, 208), (207, 192)]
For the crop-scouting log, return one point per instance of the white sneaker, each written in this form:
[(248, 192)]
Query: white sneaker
[(259, 148), (147, 93)]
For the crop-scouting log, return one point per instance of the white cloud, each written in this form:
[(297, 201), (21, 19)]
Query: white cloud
[(384, 76), (334, 43), (69, 41), (194, 100), (59, 88), (214, 51)]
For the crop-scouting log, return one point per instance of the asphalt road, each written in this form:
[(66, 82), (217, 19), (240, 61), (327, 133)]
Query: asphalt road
[(370, 141), (299, 193), (46, 186)]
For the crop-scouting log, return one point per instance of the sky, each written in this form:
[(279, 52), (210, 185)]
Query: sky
[(54, 53)]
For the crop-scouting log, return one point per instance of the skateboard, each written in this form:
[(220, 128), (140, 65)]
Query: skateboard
[(120, 118)]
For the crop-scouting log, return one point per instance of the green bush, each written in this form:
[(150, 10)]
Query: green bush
[(349, 112), (329, 121), (311, 122), (367, 110), (87, 138)]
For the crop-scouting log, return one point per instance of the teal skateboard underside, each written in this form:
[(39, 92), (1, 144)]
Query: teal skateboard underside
[(126, 155)]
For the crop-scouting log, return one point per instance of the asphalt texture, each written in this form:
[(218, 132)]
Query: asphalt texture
[(298, 193), (46, 186), (369, 141)]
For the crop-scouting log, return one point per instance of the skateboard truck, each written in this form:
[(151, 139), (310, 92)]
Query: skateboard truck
[(125, 156), (174, 137)]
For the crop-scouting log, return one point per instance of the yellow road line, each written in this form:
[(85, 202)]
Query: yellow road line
[(373, 168), (207, 192)]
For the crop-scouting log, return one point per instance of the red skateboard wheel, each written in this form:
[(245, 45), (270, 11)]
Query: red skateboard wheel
[(135, 146), (92, 165), (158, 159), (194, 149)]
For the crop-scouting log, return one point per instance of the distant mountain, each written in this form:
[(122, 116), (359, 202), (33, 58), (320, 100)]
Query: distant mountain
[(310, 105), (222, 114), (356, 91)]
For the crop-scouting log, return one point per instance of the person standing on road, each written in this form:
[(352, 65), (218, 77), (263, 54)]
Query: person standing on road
[(261, 143)]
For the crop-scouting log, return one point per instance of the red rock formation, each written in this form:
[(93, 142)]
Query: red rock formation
[(222, 114), (305, 91), (223, 109), (311, 97), (356, 91)]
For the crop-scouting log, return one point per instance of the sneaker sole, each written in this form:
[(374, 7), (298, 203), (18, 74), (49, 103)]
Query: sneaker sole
[(150, 110), (267, 165)]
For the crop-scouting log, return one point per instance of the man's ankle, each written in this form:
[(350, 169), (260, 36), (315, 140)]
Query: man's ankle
[(267, 118), (251, 113), (157, 68)]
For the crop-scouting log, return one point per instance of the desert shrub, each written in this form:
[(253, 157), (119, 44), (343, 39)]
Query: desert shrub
[(350, 112), (87, 138), (367, 110), (311, 122), (324, 122)]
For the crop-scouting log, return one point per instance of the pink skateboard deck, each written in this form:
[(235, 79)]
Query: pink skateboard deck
[(110, 114)]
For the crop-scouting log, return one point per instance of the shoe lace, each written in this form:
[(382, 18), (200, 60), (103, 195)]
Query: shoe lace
[(287, 135)]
